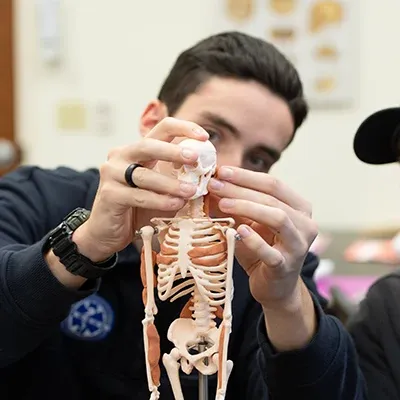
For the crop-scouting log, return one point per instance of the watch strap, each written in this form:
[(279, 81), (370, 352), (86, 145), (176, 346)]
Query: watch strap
[(60, 240)]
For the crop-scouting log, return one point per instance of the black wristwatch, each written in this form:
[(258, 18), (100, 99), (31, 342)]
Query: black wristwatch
[(60, 241)]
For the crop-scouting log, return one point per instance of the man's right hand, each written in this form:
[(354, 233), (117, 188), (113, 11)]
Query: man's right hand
[(110, 227)]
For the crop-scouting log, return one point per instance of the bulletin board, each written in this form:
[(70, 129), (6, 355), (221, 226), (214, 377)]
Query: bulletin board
[(320, 37)]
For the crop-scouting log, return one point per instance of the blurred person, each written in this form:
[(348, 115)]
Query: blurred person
[(71, 306), (376, 325)]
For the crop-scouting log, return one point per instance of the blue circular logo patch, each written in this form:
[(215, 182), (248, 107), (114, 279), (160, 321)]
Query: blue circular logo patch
[(89, 319)]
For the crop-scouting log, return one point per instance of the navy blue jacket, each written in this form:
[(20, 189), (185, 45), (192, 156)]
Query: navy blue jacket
[(57, 343)]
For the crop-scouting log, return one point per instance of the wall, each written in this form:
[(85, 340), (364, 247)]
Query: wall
[(119, 52)]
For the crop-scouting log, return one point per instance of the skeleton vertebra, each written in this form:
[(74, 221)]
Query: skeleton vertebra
[(196, 258)]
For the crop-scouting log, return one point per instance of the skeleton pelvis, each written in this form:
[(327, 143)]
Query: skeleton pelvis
[(182, 333)]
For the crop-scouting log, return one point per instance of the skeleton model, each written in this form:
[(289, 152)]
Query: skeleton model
[(196, 257)]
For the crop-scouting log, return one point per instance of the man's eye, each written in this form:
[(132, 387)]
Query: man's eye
[(215, 137), (257, 163)]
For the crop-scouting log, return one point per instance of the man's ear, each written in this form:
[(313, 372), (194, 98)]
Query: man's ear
[(151, 116)]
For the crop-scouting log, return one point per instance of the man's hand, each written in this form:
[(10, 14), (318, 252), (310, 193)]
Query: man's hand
[(277, 231), (111, 225)]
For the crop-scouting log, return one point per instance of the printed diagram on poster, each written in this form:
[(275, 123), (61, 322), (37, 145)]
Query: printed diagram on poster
[(320, 37)]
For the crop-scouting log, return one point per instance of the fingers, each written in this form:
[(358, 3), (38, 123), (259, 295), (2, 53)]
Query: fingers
[(125, 196), (147, 179), (260, 198), (154, 190), (170, 128), (156, 144), (260, 248), (229, 190), (148, 150), (153, 186), (274, 218), (266, 184)]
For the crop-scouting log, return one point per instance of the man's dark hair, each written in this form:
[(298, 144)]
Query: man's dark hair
[(234, 55)]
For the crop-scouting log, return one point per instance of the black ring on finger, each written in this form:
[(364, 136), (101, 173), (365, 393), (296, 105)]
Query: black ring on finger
[(129, 174)]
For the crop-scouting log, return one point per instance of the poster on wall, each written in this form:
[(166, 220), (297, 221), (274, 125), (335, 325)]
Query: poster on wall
[(320, 37)]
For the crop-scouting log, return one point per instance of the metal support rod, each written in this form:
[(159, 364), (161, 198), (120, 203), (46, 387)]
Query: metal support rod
[(203, 387), (203, 379)]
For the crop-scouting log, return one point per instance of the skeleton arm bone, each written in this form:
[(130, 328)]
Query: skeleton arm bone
[(224, 365), (150, 334)]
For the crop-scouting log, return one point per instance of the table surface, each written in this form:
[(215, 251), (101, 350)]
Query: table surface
[(340, 241)]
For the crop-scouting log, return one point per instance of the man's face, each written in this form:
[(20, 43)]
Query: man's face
[(248, 125)]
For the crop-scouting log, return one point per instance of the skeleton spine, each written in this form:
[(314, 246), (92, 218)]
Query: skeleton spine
[(202, 313)]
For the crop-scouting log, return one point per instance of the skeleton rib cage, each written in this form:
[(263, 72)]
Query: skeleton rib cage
[(195, 265), (201, 263)]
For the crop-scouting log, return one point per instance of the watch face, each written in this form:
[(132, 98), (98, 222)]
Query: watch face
[(77, 218)]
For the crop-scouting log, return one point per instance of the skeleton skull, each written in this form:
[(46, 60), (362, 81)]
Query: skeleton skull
[(200, 173)]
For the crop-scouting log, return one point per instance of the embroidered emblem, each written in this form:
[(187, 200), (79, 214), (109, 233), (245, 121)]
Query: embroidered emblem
[(89, 319)]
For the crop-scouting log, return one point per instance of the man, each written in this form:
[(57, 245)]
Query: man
[(376, 326), (243, 95)]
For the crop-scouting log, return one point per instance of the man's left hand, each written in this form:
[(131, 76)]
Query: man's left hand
[(277, 231)]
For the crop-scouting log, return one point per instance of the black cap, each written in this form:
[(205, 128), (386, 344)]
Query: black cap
[(376, 140)]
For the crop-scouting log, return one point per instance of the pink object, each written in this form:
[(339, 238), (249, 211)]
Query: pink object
[(354, 287)]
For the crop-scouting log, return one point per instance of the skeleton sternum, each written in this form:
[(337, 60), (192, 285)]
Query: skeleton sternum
[(185, 245)]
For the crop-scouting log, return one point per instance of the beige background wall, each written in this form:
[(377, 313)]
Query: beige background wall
[(119, 51)]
